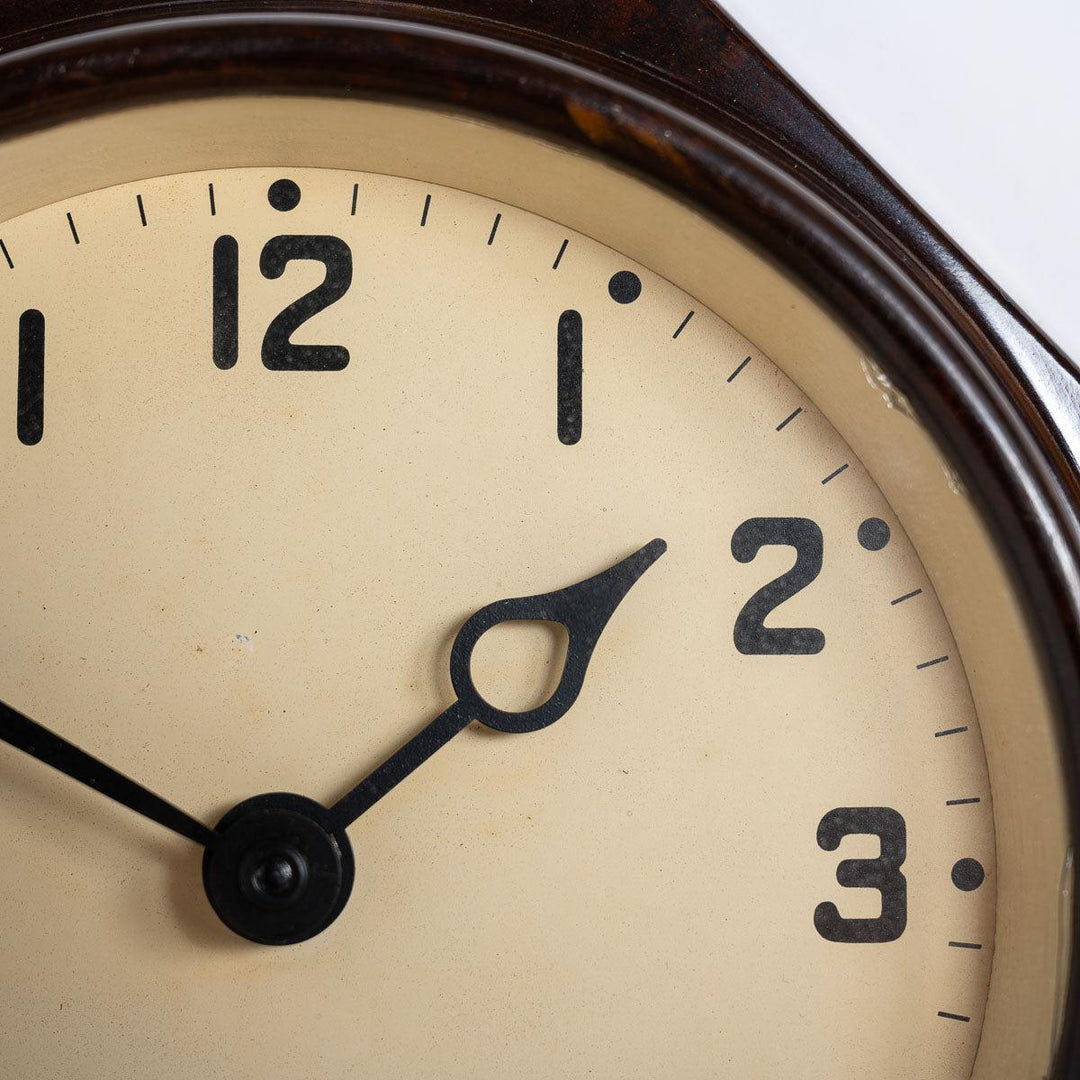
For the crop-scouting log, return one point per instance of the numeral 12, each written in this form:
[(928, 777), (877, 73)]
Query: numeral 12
[(279, 353)]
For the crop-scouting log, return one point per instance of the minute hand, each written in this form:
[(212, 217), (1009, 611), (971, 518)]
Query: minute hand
[(583, 609), (39, 742)]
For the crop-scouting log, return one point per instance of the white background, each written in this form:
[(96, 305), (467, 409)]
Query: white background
[(973, 107)]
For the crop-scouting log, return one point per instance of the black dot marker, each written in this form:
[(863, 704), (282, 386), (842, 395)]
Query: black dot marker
[(284, 195), (874, 534), (624, 287), (968, 874)]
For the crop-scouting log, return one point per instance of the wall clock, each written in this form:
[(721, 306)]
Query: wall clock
[(571, 572)]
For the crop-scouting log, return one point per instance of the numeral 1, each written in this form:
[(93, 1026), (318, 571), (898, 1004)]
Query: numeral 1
[(30, 414), (568, 348), (226, 301)]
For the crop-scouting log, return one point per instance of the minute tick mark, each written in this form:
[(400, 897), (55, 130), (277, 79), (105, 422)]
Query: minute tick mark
[(962, 802), (558, 258), (682, 327), (7, 257), (906, 596), (71, 225), (427, 207), (731, 377), (834, 474), (787, 420), (955, 1016), (950, 731), (142, 210), (494, 229), (355, 196), (930, 663)]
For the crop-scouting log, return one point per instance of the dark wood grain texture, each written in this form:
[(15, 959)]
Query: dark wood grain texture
[(675, 91)]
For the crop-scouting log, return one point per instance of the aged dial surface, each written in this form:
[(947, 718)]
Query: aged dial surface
[(272, 436)]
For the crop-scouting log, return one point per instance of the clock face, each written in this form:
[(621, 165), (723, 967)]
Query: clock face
[(274, 434)]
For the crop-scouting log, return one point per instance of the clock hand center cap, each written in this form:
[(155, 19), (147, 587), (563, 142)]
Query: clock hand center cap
[(274, 877), (278, 872)]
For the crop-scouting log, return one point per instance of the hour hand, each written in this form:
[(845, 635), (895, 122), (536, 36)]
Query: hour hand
[(583, 609)]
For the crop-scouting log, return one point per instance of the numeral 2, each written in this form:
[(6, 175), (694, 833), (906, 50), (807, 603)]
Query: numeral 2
[(752, 636), (278, 352)]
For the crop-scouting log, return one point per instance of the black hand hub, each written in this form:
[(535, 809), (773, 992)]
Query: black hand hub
[(277, 872)]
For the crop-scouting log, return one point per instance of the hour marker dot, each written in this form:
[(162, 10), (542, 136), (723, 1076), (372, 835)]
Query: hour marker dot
[(968, 874), (624, 287), (284, 195), (874, 534)]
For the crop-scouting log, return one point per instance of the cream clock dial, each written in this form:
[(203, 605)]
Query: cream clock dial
[(274, 436)]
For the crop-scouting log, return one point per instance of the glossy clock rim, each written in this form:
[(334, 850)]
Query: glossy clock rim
[(1000, 460)]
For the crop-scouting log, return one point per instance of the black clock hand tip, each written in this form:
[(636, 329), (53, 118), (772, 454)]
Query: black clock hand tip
[(654, 549), (633, 566), (41, 743)]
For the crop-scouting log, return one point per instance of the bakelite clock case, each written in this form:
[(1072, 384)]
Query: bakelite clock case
[(674, 94)]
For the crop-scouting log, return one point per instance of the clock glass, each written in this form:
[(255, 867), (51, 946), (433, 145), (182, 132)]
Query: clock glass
[(278, 422)]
